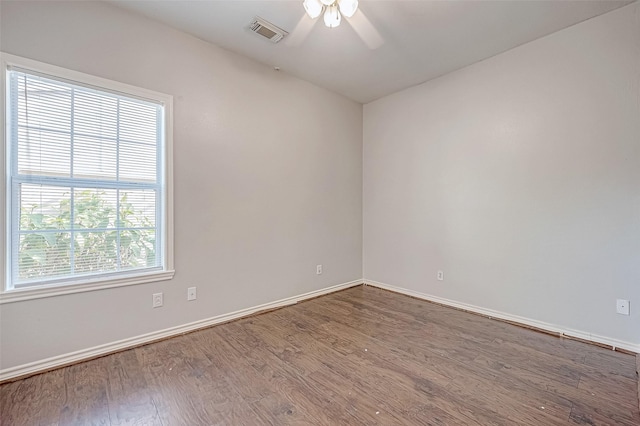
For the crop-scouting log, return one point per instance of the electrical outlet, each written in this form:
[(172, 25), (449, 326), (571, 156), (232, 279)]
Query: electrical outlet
[(440, 275), (157, 300), (319, 269), (191, 293), (622, 307)]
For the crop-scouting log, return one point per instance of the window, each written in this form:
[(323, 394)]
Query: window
[(87, 182)]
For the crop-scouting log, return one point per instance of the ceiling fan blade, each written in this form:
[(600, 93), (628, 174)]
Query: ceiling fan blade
[(301, 31), (365, 29)]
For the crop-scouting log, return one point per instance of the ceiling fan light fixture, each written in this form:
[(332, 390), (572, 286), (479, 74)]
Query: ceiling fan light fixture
[(313, 8), (348, 7), (333, 10), (332, 16)]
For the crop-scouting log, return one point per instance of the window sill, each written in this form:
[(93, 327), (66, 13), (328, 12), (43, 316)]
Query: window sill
[(39, 292)]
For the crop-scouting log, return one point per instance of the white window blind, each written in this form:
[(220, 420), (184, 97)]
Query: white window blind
[(85, 181)]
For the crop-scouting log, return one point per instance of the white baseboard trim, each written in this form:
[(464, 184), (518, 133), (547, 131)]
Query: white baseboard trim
[(101, 350), (562, 331)]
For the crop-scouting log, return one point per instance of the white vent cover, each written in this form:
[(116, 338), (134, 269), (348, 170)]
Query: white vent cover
[(267, 29)]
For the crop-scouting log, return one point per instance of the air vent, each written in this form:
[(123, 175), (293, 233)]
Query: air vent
[(267, 30)]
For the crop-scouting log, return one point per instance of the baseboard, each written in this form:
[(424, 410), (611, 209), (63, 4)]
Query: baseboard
[(526, 322), (58, 361)]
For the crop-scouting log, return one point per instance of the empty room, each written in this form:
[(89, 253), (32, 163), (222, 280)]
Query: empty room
[(320, 212)]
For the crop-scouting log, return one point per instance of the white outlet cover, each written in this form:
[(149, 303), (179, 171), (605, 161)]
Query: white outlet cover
[(191, 293), (157, 300), (319, 269), (440, 276), (622, 307)]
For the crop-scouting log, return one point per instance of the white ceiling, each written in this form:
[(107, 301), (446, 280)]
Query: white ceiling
[(420, 39)]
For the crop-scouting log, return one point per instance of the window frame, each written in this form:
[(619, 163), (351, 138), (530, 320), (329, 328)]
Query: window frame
[(9, 293)]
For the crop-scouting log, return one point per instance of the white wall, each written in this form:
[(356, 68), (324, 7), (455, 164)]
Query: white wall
[(519, 176), (264, 189)]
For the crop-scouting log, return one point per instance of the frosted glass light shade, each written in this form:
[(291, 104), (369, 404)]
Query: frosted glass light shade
[(328, 2), (313, 8), (348, 7), (332, 16)]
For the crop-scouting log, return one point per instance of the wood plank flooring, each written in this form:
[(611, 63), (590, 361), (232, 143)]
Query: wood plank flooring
[(359, 356)]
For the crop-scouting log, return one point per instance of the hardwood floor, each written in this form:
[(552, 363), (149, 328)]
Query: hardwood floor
[(638, 376), (359, 356)]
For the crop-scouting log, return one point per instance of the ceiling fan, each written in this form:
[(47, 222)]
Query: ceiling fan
[(333, 11)]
